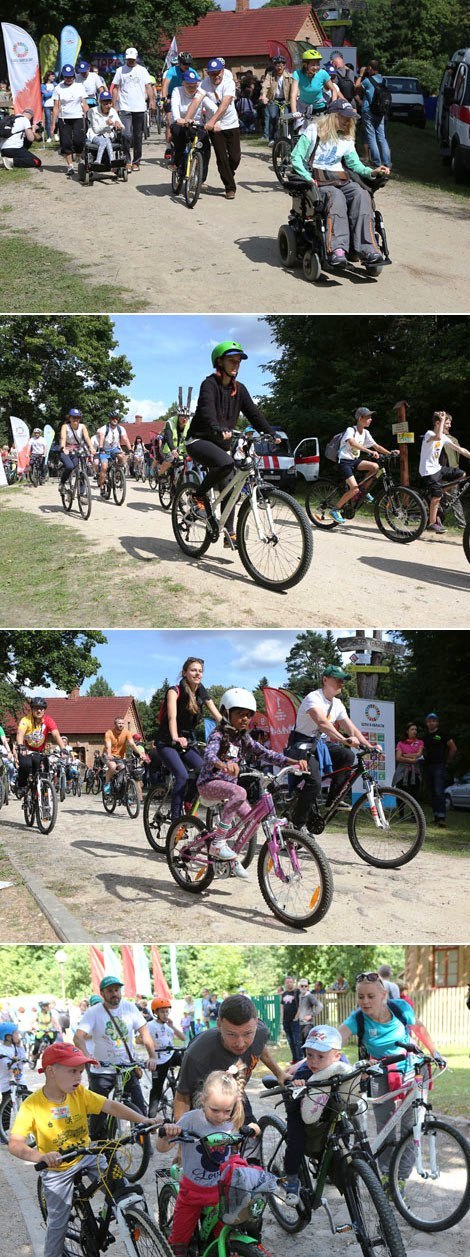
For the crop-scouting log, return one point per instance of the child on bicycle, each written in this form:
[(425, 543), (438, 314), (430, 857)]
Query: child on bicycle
[(56, 1115), (323, 1051), (227, 745), (432, 474), (12, 1058), (220, 1106), (354, 442)]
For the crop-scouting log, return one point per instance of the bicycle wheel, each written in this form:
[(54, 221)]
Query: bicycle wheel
[(193, 181), (119, 486), (166, 1206), (370, 1212), (272, 1147), (192, 872), (437, 1195), (403, 835), (146, 1238), (8, 1111), (29, 806), (84, 495), (153, 478), (62, 785), (46, 806), (67, 493), (109, 801), (189, 523), (177, 177), (79, 787), (2, 793), (320, 500), (167, 1101), (132, 800), (301, 891), (157, 816), (466, 541), (165, 492), (132, 1158), (96, 785), (281, 156), (281, 557), (158, 119), (400, 514)]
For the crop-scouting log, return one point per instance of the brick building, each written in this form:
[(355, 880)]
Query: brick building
[(248, 38), (84, 721)]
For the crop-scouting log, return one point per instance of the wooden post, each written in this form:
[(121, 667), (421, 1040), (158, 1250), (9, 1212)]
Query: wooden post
[(400, 410)]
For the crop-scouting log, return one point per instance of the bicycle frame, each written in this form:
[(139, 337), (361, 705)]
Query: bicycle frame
[(234, 490), (244, 829), (113, 1208), (416, 1099)]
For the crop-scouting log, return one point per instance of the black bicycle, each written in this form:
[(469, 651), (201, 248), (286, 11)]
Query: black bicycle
[(167, 1098), (40, 799), (115, 482), (386, 826), (94, 775), (11, 1100), (454, 504), (399, 511), (122, 789), (37, 471), (133, 1163), (77, 488), (181, 469)]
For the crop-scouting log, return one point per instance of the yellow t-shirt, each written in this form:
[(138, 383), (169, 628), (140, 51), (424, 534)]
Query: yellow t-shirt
[(57, 1126)]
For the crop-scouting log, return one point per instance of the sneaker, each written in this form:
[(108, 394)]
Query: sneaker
[(337, 257), (229, 196), (221, 850), (107, 788), (436, 528), (8, 163), (230, 541), (344, 807), (69, 172), (49, 139), (240, 871), (292, 1189), (338, 517)]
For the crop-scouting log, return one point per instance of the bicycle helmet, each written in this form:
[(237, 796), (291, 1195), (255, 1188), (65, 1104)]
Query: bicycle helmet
[(225, 348), (184, 58), (74, 413), (160, 1002), (43, 1003), (35, 430), (38, 702), (311, 54), (215, 65), (237, 698), (7, 1028), (279, 60)]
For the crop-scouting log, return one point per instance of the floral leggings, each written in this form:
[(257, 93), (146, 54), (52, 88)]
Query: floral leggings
[(227, 792)]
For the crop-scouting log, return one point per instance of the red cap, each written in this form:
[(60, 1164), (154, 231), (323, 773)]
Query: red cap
[(65, 1054)]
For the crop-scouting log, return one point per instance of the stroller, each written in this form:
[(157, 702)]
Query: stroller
[(88, 169), (302, 240)]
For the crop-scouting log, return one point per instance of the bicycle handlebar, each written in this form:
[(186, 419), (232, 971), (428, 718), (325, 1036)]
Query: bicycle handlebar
[(225, 1136), (81, 1150)]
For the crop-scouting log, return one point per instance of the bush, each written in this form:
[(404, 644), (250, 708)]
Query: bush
[(428, 73)]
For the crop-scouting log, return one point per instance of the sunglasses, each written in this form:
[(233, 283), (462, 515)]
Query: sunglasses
[(369, 977)]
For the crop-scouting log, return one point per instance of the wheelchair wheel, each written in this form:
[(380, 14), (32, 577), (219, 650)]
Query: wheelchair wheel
[(91, 178), (287, 245), (177, 177), (311, 266), (124, 174), (82, 172), (281, 154)]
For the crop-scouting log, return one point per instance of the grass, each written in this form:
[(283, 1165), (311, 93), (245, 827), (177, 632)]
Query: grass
[(68, 583)]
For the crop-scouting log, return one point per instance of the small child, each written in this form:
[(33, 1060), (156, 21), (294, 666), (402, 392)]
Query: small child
[(12, 1058), (220, 1106), (104, 122), (229, 743), (323, 1050)]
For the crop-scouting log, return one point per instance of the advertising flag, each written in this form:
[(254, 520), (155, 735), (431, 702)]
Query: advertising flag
[(112, 961), (48, 49), (3, 479), (49, 435), (160, 984), (281, 713), (70, 44), (23, 69), (172, 52), (97, 968), (376, 720), (20, 432), (130, 985)]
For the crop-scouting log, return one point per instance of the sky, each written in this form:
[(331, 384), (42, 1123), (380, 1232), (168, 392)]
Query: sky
[(167, 352), (136, 661)]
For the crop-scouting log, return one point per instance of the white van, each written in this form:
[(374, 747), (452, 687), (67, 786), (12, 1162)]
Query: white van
[(453, 115), (281, 465)]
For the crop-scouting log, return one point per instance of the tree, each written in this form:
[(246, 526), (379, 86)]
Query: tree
[(110, 26), (100, 689), (433, 679), (51, 363), (309, 655), (33, 658)]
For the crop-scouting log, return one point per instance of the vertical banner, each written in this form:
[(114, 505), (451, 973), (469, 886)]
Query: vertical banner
[(112, 961), (128, 972), (23, 69), (70, 44), (49, 435), (281, 713), (48, 49), (376, 720), (142, 972), (172, 52), (175, 982), (20, 432), (3, 478), (160, 984), (97, 968)]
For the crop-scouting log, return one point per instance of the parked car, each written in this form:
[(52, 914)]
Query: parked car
[(407, 103), (453, 115), (458, 795), (282, 465), (307, 458)]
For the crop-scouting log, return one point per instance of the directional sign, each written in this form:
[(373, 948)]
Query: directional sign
[(367, 667), (399, 427)]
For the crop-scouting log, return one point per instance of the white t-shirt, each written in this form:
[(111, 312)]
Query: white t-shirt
[(363, 438), (15, 140), (132, 82), (99, 122), (180, 102), (70, 100), (108, 1039), (304, 723), (213, 96), (37, 445), (431, 449), (112, 437), (92, 82), (6, 1050), (163, 1036)]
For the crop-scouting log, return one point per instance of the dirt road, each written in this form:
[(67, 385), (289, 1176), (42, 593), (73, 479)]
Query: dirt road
[(103, 870), (223, 255), (356, 574)]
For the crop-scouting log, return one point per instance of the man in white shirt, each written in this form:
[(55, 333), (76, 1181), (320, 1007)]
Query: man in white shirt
[(323, 716), (69, 107), (112, 1025), (181, 100), (111, 436), (92, 82), (131, 89), (430, 470), (37, 450), (217, 93), (15, 150)]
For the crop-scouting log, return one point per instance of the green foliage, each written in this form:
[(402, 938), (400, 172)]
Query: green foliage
[(100, 689), (48, 657), (104, 26), (33, 970), (394, 30), (428, 73), (433, 678), (51, 363), (308, 656), (148, 712)]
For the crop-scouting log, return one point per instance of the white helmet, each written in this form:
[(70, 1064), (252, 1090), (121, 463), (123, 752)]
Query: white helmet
[(238, 698)]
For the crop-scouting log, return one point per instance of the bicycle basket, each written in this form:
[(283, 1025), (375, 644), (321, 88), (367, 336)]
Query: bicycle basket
[(241, 1189)]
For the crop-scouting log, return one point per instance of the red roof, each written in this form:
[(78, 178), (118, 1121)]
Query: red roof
[(244, 34), (84, 716), (147, 430)]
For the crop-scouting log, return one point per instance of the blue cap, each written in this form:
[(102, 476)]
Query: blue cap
[(215, 64), (74, 413), (7, 1028), (83, 67), (106, 96), (68, 72), (432, 715), (191, 76), (330, 68)]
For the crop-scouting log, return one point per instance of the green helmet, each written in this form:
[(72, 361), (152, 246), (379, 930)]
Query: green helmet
[(227, 347)]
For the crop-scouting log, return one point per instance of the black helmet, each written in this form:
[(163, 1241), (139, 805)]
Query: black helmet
[(38, 702), (184, 58)]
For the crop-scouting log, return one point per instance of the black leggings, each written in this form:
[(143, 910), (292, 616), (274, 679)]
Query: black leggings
[(220, 463), (28, 762), (158, 1079), (342, 759)]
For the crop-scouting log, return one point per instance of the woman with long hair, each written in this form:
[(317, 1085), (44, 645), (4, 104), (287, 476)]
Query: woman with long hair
[(180, 714)]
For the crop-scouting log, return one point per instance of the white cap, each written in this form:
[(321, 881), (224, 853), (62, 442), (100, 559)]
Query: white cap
[(131, 54), (323, 1038)]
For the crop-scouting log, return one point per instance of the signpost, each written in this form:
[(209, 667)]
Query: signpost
[(377, 648), (401, 427)]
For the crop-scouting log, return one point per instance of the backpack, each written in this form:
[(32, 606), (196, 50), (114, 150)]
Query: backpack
[(6, 127), (333, 446), (394, 1077), (163, 708), (346, 84), (381, 99)]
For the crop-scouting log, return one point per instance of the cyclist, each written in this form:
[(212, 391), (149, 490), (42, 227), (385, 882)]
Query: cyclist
[(117, 741), (112, 436), (7, 755), (432, 475), (37, 451), (217, 93), (173, 77), (222, 399), (73, 436), (9, 1055), (350, 457), (31, 738), (217, 781), (323, 1058), (163, 1033), (137, 456), (70, 107), (46, 1027), (323, 725), (179, 714), (276, 89), (174, 439), (112, 1025), (309, 84), (181, 99)]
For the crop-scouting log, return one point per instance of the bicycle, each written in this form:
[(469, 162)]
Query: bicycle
[(118, 1128), (167, 1098), (273, 535), (40, 800), (88, 1233), (37, 471), (94, 776), (38, 1045), (4, 781), (340, 1157), (399, 511), (115, 482), (11, 1100), (181, 469), (294, 874), (386, 825), (285, 140), (58, 775), (451, 501), (188, 175), (122, 787), (158, 819), (77, 488)]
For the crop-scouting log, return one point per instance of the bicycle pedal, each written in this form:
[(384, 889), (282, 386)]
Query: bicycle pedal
[(343, 1228)]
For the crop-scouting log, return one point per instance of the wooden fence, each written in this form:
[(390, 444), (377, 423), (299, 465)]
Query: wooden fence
[(444, 1013)]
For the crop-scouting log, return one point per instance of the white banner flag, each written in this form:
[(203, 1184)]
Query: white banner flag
[(49, 435), (23, 69), (143, 980), (3, 479), (20, 432), (112, 962), (172, 52)]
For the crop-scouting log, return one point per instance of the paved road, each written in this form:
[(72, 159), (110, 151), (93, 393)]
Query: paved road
[(356, 574), (116, 887), (224, 254)]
